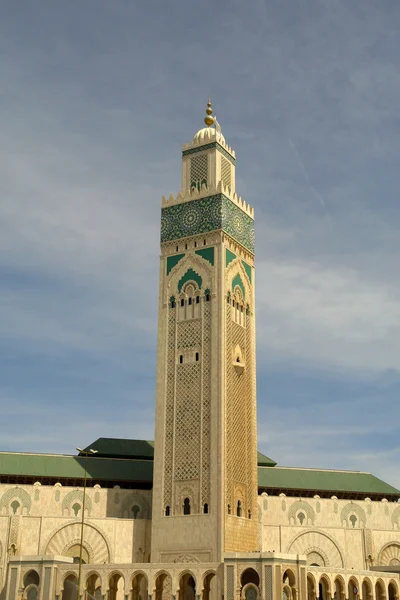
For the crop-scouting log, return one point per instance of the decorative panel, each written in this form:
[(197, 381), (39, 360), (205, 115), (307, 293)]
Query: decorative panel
[(209, 147), (204, 215), (225, 171), (230, 583), (199, 170)]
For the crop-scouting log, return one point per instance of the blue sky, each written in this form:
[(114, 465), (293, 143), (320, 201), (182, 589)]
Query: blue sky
[(97, 98)]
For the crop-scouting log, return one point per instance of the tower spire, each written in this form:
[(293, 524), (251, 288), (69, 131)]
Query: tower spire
[(208, 119)]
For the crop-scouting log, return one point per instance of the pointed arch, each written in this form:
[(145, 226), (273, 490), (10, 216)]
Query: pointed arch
[(235, 271), (319, 542)]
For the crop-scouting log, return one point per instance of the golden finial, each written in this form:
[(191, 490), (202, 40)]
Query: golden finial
[(209, 120)]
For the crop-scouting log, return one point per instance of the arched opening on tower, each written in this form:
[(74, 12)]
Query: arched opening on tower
[(186, 506)]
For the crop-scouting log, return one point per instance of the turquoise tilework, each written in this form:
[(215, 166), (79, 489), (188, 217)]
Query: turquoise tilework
[(190, 275), (172, 261), (205, 215), (247, 268), (207, 147), (237, 280)]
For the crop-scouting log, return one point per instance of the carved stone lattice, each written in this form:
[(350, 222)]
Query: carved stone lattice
[(230, 583), (169, 409), (206, 408), (187, 421), (239, 402), (199, 170), (225, 171)]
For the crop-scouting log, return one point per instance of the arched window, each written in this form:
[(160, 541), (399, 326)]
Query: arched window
[(195, 244), (239, 508), (31, 578), (15, 506), (207, 297), (182, 302), (173, 303), (204, 242), (197, 356), (181, 359), (301, 517), (229, 509), (353, 520), (177, 248), (189, 301), (76, 508), (197, 299), (186, 506), (167, 511), (135, 511), (249, 513), (205, 509)]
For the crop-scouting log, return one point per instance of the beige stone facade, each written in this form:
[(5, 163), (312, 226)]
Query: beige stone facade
[(200, 525)]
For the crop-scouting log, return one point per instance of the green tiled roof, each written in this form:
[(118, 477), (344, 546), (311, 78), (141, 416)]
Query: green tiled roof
[(122, 448), (264, 461), (282, 479), (144, 450), (130, 462), (56, 466)]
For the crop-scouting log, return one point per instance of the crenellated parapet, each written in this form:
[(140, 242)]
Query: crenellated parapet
[(205, 192)]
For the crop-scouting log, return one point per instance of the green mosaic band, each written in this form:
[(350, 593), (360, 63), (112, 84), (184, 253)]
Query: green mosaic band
[(205, 215), (207, 147)]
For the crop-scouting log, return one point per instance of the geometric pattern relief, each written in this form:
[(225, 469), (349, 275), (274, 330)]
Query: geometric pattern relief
[(76, 495), (239, 416), (353, 509), (206, 407), (204, 215), (169, 409), (303, 506), (198, 171), (13, 494), (136, 499), (230, 583), (225, 172)]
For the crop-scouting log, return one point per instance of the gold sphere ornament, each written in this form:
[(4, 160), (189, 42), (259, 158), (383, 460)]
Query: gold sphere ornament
[(209, 120)]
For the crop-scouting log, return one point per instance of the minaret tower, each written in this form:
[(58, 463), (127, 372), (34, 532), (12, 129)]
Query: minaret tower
[(205, 466)]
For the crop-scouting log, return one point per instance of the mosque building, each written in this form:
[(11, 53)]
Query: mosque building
[(199, 514)]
